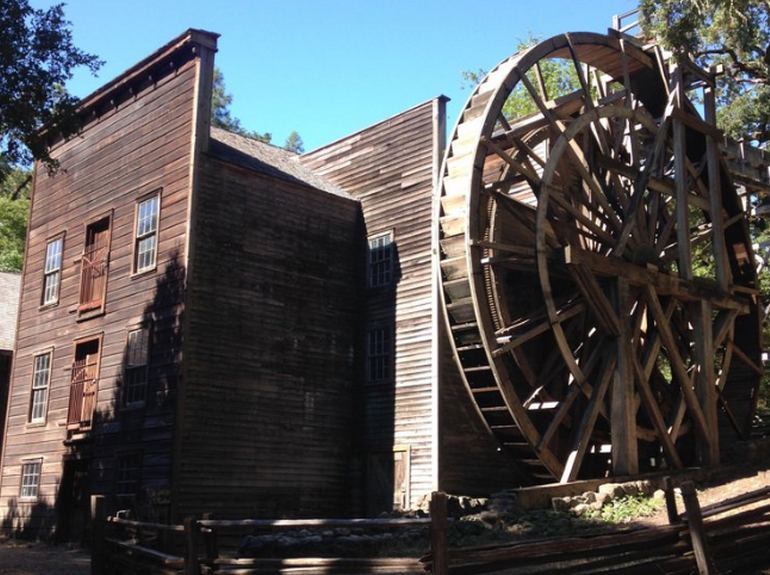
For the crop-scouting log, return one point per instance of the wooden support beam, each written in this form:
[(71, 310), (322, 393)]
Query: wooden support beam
[(715, 194), (684, 262), (625, 457), (705, 380), (668, 489), (698, 538), (664, 284)]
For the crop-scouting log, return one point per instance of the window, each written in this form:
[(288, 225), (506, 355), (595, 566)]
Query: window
[(83, 384), (146, 234), (378, 354), (30, 479), (128, 471), (135, 380), (93, 268), (41, 378), (52, 273), (380, 260)]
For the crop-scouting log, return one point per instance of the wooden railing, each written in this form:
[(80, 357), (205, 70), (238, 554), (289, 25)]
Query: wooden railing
[(194, 548), (730, 536)]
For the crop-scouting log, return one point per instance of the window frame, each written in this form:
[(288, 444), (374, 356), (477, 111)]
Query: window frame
[(37, 461), (144, 368), (57, 272), (373, 280), (381, 372), (42, 420), (138, 469), (137, 238)]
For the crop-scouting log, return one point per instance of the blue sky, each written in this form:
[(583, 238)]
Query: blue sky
[(328, 68)]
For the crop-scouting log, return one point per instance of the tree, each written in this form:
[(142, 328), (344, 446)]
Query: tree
[(559, 77), (37, 57), (294, 143), (221, 117), (734, 33)]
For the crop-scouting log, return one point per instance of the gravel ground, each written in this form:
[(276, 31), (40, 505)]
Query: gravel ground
[(17, 558)]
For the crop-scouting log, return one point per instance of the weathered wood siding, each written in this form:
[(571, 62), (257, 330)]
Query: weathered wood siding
[(269, 355), (389, 169), (139, 145)]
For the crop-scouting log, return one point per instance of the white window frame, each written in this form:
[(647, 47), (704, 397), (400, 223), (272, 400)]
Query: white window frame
[(52, 266), (31, 472), (145, 229), (41, 386), (379, 259)]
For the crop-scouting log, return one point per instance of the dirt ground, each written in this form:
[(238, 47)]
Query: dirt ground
[(23, 558), (742, 481), (17, 558)]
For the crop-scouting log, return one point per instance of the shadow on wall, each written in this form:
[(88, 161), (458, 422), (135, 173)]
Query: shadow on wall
[(124, 451), (385, 481)]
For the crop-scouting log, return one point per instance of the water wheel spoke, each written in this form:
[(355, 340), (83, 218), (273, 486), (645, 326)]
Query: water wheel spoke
[(656, 417), (587, 423), (677, 365)]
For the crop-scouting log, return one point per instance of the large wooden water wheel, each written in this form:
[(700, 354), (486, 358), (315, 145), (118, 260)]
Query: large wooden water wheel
[(596, 266)]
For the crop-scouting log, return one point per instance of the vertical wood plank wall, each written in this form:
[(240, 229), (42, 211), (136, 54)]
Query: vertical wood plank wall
[(139, 146), (269, 355), (389, 168)]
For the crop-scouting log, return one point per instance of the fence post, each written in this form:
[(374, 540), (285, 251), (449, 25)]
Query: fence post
[(438, 535), (191, 563), (673, 514), (98, 520), (210, 541), (697, 532)]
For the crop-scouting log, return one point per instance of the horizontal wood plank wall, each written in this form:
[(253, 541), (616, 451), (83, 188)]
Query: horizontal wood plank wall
[(269, 356), (140, 146), (388, 168)]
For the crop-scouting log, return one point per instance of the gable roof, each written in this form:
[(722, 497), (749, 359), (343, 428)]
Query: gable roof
[(10, 288), (267, 159)]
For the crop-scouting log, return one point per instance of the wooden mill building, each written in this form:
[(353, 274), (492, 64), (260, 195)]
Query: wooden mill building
[(213, 324)]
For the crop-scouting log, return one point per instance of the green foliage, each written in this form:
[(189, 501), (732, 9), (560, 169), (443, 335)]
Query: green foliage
[(221, 117), (294, 143), (14, 208), (37, 57), (559, 77), (626, 509), (13, 230), (735, 33)]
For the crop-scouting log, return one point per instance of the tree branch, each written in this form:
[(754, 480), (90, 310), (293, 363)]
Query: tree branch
[(17, 193)]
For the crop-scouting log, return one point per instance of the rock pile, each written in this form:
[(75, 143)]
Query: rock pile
[(340, 542), (595, 500)]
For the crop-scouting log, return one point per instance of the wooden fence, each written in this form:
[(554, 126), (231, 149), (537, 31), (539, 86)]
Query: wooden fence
[(728, 537), (731, 536)]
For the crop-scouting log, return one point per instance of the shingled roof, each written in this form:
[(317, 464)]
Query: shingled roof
[(10, 287), (267, 159)]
